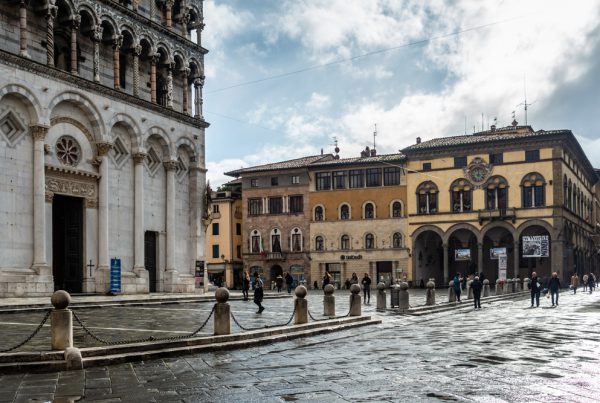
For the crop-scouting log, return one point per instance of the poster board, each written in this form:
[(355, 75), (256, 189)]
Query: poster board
[(535, 246), (502, 263), (462, 254), (495, 252)]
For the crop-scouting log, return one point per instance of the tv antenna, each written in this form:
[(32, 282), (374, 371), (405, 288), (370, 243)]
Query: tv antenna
[(374, 135), (524, 103)]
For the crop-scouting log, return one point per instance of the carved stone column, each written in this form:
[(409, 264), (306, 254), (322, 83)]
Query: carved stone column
[(137, 51), (168, 13), (198, 84), (479, 257), (185, 72), (23, 28), (446, 274), (39, 133), (170, 166), (97, 38), (153, 62), (50, 17), (103, 259), (75, 23), (516, 260), (199, 27), (117, 43), (170, 86), (138, 235)]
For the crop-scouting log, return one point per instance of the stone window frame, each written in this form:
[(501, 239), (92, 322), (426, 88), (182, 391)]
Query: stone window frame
[(341, 216), (372, 213), (392, 211), (316, 216), (293, 234), (530, 183), (152, 161), (12, 117), (73, 148), (395, 235), (319, 240), (120, 149)]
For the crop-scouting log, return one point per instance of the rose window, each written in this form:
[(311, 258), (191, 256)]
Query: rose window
[(68, 151)]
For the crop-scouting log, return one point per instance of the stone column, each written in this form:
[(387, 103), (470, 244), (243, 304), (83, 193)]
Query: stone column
[(61, 321), (197, 186), (138, 235), (103, 259), (117, 43), (168, 13), (198, 84), (381, 296), (39, 199), (446, 274), (222, 324), (185, 72), (23, 28), (75, 23), (479, 257), (170, 166), (50, 16), (516, 260), (153, 62), (199, 27), (137, 51), (170, 85), (404, 297), (97, 38), (184, 21), (135, 5)]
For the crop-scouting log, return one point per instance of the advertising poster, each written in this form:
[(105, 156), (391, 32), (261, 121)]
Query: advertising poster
[(535, 246), (502, 260), (462, 254), (495, 252)]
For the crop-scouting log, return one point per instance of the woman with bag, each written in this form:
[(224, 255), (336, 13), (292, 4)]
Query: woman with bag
[(245, 285), (258, 292)]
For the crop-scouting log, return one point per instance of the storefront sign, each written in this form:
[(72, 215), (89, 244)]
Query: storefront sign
[(462, 254), (495, 252), (350, 257), (115, 276), (535, 246)]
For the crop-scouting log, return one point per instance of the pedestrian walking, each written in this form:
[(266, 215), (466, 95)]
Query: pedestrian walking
[(456, 286), (554, 288), (316, 285), (326, 279), (535, 287), (585, 282), (476, 286), (289, 282), (591, 282), (481, 277), (258, 292), (354, 279), (366, 284), (348, 284), (574, 282), (279, 283), (245, 285)]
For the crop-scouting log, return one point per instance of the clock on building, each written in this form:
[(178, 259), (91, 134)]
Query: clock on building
[(478, 170)]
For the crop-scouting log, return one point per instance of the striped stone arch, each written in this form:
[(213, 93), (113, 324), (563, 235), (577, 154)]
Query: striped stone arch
[(465, 226), (86, 106), (136, 138), (34, 108), (188, 145), (157, 132)]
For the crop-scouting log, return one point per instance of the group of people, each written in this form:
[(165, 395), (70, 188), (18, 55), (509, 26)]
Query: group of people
[(460, 283), (588, 280)]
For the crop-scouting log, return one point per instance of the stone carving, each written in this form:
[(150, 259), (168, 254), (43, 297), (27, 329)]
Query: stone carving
[(97, 38), (171, 165), (170, 87), (49, 197), (76, 22), (103, 148), (478, 171), (91, 203), (39, 132), (68, 151), (70, 188), (139, 158)]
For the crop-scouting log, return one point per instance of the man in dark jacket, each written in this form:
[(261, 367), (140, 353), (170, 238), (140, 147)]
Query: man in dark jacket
[(554, 287), (476, 287), (289, 281), (535, 288)]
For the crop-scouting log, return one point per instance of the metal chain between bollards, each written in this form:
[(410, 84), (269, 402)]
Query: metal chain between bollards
[(31, 336), (329, 317), (150, 338), (265, 326)]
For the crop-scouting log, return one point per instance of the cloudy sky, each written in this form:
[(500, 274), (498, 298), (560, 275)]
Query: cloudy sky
[(284, 77)]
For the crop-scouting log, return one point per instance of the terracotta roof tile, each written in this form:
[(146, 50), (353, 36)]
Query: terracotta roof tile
[(289, 164)]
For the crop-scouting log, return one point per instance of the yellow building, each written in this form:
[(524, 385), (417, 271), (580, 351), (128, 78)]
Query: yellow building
[(358, 222), (513, 191), (223, 249)]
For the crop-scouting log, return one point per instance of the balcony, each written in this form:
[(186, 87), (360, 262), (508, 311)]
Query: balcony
[(497, 215), (274, 256)]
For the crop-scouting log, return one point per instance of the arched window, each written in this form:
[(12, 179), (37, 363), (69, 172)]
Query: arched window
[(255, 242), (461, 196), (397, 240), (496, 193), (533, 186), (345, 242), (574, 200), (396, 209), (296, 240), (275, 240), (427, 198), (369, 210), (319, 243), (369, 241), (319, 216), (565, 192), (570, 196), (344, 212)]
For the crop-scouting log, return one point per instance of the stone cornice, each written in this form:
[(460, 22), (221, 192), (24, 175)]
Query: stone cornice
[(83, 84), (72, 171)]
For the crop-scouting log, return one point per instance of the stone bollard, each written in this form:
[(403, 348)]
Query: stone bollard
[(355, 307), (526, 282), (301, 305), (430, 293), (469, 289), (510, 286), (381, 296), (61, 319), (505, 287), (328, 301), (222, 312), (499, 287), (403, 297), (486, 287), (517, 285), (451, 292)]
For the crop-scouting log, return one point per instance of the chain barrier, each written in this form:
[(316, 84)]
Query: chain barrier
[(329, 317), (147, 339), (264, 326), (31, 336)]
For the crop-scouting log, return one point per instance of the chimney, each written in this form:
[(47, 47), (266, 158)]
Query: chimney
[(373, 153), (418, 140), (321, 151), (493, 128)]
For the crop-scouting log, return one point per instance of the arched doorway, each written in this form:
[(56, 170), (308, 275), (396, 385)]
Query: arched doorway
[(497, 241), (428, 258), (535, 251), (276, 270), (462, 253)]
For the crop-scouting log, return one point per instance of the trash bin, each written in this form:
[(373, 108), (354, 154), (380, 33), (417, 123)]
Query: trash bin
[(395, 296)]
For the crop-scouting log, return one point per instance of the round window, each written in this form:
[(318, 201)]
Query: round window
[(68, 151)]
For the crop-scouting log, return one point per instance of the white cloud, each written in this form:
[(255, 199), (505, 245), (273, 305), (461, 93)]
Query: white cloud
[(318, 101)]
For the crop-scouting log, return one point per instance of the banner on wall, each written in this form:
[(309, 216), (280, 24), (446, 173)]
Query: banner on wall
[(496, 252), (502, 264), (535, 245), (462, 254)]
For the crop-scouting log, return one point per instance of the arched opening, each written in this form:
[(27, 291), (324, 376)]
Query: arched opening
[(498, 241), (63, 29), (428, 258), (163, 72), (85, 45), (275, 271), (126, 62), (462, 253)]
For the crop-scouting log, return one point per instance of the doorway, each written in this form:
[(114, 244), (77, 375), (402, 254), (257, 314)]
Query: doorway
[(67, 243), (150, 258)]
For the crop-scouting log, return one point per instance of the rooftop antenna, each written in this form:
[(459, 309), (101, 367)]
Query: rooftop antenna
[(524, 103), (336, 149), (374, 135), (481, 121), (465, 125)]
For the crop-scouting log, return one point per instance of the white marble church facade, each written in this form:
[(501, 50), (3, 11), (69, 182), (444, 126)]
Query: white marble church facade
[(101, 149)]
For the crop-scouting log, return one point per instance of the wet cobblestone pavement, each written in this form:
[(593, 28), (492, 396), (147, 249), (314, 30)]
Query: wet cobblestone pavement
[(503, 352)]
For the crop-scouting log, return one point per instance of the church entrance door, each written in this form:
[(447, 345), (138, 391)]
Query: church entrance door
[(150, 258), (67, 243)]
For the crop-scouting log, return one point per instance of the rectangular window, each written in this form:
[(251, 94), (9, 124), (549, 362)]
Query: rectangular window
[(532, 155), (527, 192), (296, 243), (539, 196), (426, 166), (391, 176), (275, 205), (215, 228), (295, 180), (254, 206), (215, 254), (356, 177), (238, 251), (238, 229), (274, 181), (215, 208), (253, 183), (323, 180), (339, 180), (255, 247), (460, 162), (296, 204), (496, 158), (373, 177)]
